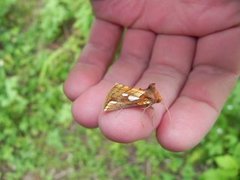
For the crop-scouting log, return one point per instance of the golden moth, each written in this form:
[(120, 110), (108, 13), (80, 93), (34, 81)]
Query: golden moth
[(122, 96)]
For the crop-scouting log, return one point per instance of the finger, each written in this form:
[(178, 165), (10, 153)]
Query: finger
[(215, 71), (136, 51), (120, 12), (95, 58), (170, 63)]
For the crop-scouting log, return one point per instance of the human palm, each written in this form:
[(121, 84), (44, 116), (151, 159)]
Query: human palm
[(189, 48)]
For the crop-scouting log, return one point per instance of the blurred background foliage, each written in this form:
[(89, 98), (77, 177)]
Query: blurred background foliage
[(39, 42)]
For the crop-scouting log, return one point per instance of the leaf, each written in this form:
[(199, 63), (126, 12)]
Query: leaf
[(219, 174), (236, 153), (227, 162)]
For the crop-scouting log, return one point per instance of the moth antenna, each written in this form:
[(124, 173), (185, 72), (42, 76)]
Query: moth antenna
[(143, 113), (118, 113), (152, 113), (167, 110)]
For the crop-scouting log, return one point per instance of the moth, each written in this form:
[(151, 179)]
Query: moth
[(122, 96)]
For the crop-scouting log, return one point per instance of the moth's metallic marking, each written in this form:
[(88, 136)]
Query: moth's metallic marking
[(147, 102), (133, 98), (124, 94), (113, 102), (110, 104)]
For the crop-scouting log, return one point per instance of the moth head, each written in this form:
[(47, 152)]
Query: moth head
[(154, 92)]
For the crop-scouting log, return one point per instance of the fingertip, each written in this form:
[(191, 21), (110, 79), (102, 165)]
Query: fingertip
[(84, 115), (70, 91), (81, 77), (189, 123), (125, 126), (175, 141)]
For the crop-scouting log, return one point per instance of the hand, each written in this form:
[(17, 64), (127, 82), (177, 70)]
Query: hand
[(190, 49)]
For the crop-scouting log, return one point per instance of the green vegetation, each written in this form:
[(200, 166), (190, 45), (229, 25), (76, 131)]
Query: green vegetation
[(39, 42)]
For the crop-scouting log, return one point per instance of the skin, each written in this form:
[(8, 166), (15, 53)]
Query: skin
[(189, 48)]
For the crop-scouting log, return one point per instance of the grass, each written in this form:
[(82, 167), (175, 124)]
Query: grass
[(39, 42)]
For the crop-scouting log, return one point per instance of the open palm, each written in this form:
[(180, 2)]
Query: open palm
[(189, 48)]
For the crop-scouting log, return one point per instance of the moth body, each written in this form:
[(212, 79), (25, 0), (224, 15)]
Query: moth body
[(121, 96)]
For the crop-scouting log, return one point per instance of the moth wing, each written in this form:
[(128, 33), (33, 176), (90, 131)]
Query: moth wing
[(122, 96), (116, 91), (113, 105)]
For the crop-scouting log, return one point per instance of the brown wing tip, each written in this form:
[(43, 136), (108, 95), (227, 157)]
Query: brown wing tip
[(152, 86), (153, 89)]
